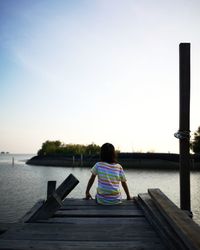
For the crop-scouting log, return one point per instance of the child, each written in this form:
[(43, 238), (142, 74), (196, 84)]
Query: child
[(110, 174)]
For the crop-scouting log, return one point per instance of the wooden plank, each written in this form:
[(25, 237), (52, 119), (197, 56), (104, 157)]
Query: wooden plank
[(5, 226), (82, 232), (10, 228), (99, 213), (100, 207), (150, 244), (96, 220), (160, 224), (82, 202), (183, 225)]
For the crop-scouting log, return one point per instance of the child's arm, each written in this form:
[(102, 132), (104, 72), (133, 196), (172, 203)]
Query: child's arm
[(89, 185), (125, 187)]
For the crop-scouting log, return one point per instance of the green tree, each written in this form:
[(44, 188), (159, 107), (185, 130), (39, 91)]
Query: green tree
[(73, 149), (195, 144), (56, 148), (92, 149), (49, 147)]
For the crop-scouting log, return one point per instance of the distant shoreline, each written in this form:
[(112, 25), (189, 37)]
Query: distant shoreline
[(158, 161)]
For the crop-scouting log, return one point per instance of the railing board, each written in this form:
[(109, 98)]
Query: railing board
[(160, 224), (182, 224)]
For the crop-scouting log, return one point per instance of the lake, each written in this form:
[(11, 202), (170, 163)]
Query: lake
[(22, 185)]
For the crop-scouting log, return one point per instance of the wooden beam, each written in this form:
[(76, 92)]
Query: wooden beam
[(67, 186), (184, 125)]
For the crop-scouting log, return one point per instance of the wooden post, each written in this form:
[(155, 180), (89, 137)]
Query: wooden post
[(51, 187), (184, 125)]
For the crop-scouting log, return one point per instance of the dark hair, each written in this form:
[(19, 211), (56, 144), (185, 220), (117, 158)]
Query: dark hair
[(108, 153)]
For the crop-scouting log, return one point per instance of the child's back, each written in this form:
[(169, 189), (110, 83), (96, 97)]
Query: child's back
[(109, 177), (110, 174)]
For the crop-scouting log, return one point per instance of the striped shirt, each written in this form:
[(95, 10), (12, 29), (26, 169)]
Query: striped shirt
[(109, 178)]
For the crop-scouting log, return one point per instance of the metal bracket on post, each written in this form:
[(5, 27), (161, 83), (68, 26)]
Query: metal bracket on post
[(181, 135)]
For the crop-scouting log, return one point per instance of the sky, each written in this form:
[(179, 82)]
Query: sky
[(95, 71)]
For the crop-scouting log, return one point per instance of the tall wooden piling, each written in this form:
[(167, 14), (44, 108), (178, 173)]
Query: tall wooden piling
[(184, 125)]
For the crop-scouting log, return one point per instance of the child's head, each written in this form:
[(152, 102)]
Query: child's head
[(108, 153)]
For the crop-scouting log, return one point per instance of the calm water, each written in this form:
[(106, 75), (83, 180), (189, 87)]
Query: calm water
[(22, 185)]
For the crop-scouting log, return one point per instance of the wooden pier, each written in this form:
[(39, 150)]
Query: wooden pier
[(149, 221)]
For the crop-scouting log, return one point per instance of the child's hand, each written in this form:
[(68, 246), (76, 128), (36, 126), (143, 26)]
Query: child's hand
[(88, 196)]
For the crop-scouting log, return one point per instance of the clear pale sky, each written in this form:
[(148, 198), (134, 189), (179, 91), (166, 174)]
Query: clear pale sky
[(95, 71)]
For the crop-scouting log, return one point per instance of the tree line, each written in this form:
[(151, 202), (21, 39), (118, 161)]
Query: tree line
[(51, 148)]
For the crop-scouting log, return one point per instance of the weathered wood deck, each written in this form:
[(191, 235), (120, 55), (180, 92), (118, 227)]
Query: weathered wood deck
[(82, 224), (149, 221)]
